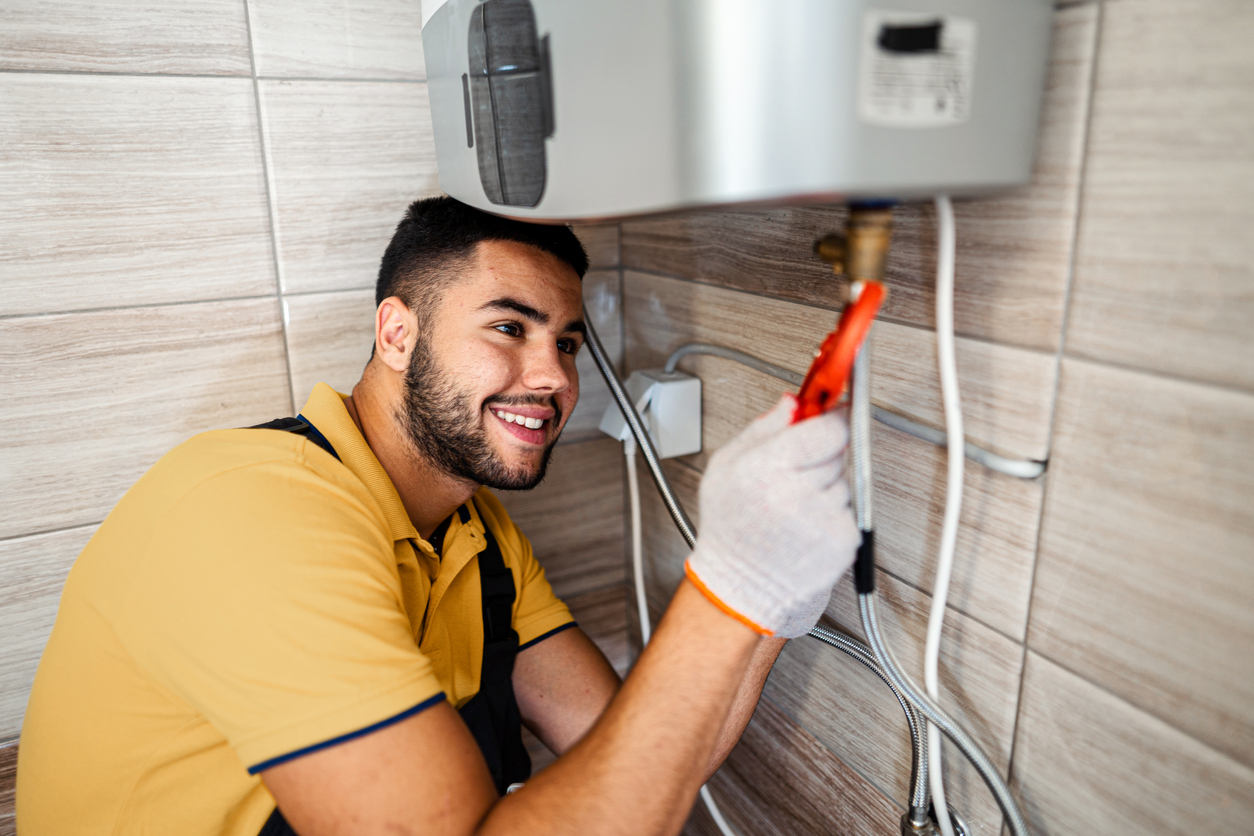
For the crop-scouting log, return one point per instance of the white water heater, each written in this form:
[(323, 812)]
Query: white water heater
[(597, 109)]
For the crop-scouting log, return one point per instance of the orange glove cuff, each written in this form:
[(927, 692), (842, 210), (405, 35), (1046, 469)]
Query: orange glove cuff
[(716, 601)]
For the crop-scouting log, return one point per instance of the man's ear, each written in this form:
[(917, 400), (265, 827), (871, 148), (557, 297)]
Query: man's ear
[(395, 333)]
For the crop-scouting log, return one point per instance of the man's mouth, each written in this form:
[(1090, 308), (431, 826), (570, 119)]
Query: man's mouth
[(529, 424), (520, 420)]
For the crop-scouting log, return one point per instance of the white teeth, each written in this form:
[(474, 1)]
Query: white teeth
[(521, 420)]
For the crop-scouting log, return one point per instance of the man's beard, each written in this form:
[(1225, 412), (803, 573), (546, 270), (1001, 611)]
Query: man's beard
[(448, 431)]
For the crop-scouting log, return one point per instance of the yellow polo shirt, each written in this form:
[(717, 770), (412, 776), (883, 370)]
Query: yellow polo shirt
[(250, 599)]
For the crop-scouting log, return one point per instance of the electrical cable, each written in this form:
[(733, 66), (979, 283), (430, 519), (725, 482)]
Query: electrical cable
[(1019, 468), (953, 488), (715, 812)]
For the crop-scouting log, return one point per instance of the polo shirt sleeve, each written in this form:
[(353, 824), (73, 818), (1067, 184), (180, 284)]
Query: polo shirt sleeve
[(538, 613), (270, 603)]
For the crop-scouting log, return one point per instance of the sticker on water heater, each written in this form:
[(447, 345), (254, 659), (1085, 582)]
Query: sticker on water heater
[(917, 70)]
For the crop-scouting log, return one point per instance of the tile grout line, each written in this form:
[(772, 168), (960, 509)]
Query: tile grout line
[(252, 75), (267, 171), (1157, 374), (133, 307), (951, 608), (177, 303), (1061, 352), (596, 590), (288, 294), (1134, 707), (47, 531)]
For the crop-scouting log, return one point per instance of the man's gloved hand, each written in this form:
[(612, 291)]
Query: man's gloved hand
[(777, 531)]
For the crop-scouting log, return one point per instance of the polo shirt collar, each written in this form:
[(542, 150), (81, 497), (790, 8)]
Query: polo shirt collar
[(325, 410)]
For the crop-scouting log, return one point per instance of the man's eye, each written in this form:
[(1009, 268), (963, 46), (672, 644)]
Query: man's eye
[(567, 346), (513, 329)]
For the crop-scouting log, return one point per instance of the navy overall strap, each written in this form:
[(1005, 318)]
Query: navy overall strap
[(276, 825), (492, 714), (300, 425)]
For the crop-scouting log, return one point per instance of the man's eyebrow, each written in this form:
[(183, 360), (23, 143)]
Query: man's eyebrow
[(506, 303)]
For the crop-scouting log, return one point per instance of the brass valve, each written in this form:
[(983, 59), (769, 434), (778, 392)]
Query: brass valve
[(860, 253), (831, 248)]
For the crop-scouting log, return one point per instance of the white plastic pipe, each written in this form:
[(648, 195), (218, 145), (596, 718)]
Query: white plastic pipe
[(953, 490), (637, 548)]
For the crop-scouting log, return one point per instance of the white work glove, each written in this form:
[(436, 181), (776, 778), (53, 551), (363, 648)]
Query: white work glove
[(777, 531)]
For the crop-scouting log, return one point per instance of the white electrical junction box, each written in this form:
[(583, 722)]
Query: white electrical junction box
[(669, 404)]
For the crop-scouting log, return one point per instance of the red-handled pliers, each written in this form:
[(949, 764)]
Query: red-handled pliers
[(829, 373)]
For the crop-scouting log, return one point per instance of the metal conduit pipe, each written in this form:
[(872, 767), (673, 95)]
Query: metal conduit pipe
[(917, 814), (642, 438), (1020, 468), (862, 491), (937, 716), (860, 485)]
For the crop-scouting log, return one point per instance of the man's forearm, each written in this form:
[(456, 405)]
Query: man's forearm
[(764, 656), (638, 770)]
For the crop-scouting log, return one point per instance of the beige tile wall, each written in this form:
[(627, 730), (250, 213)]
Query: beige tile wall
[(196, 199), (196, 36), (342, 156), (1099, 639), (337, 39), (778, 760), (217, 194), (1163, 274), (8, 789), (1089, 762), (34, 569), (1145, 578), (130, 190)]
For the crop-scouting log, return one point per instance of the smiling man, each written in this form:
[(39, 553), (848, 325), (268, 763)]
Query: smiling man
[(329, 625)]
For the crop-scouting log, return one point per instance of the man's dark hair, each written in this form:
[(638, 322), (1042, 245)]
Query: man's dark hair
[(438, 235)]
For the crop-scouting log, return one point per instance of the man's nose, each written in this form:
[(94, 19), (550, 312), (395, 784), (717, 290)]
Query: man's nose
[(545, 370)]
